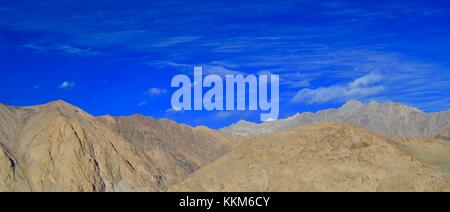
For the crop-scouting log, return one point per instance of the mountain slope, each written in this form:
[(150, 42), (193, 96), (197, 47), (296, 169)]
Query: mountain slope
[(387, 119), (445, 135), (434, 153), (11, 178), (178, 149), (58, 147), (321, 157)]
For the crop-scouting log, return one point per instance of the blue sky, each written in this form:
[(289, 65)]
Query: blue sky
[(118, 57)]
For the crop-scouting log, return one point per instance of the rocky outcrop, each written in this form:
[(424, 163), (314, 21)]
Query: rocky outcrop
[(11, 178)]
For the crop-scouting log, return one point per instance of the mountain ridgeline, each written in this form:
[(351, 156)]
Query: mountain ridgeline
[(365, 147), (387, 119), (59, 147)]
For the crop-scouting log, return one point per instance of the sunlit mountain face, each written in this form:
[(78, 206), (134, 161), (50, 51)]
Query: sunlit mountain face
[(119, 57)]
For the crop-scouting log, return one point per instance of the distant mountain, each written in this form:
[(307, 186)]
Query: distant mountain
[(59, 147), (387, 119), (326, 156)]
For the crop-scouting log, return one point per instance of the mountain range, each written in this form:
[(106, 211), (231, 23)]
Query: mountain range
[(367, 147), (387, 119), (59, 147)]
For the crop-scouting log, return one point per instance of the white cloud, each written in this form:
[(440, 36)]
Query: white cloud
[(67, 85), (370, 79), (366, 86), (156, 91)]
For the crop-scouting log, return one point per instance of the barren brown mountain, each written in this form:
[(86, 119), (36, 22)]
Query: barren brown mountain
[(58, 147), (327, 156), (178, 149)]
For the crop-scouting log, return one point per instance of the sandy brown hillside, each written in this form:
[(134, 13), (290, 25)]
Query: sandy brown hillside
[(435, 153), (58, 147), (322, 157), (178, 149)]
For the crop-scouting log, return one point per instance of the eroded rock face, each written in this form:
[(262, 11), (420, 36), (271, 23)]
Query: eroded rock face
[(58, 147), (11, 178), (320, 157), (387, 119)]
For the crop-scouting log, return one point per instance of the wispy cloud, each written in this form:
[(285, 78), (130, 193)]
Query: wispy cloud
[(175, 41), (362, 87), (330, 55), (75, 50), (64, 49)]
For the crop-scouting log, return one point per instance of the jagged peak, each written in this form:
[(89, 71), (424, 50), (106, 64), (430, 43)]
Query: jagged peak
[(395, 105), (355, 104), (352, 103), (63, 108)]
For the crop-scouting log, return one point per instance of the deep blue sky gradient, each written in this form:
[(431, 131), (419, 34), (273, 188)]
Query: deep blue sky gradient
[(111, 53)]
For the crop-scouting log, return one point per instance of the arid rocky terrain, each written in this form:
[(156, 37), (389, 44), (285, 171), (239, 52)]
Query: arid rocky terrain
[(59, 147)]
